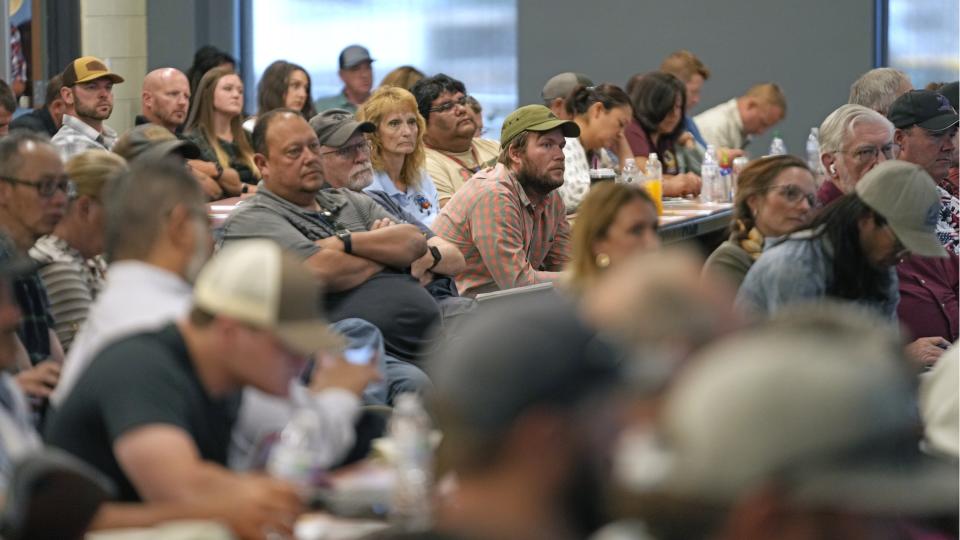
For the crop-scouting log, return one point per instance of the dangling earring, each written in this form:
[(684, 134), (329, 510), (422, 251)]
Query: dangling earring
[(603, 260)]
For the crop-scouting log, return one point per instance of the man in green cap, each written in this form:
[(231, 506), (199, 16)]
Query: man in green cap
[(508, 221)]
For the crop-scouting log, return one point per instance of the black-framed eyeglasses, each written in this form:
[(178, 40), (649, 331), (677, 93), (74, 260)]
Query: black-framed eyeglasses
[(793, 194), (449, 105), (350, 151), (47, 187), (869, 154)]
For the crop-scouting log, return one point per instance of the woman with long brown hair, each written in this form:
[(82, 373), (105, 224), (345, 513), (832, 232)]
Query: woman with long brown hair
[(214, 125)]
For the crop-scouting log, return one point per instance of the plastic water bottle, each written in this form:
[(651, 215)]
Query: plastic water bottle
[(724, 187), (299, 456), (410, 508), (653, 181), (710, 176), (630, 173), (813, 151), (777, 146)]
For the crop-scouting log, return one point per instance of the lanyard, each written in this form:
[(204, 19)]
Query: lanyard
[(473, 152)]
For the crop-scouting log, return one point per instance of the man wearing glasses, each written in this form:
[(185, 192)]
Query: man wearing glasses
[(453, 154), (853, 140), (850, 250), (345, 238), (33, 198)]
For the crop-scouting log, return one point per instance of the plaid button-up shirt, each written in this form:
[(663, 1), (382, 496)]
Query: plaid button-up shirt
[(75, 137), (506, 239)]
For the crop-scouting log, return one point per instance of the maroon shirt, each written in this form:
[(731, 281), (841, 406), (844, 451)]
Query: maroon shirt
[(928, 296), (828, 193), (641, 145)]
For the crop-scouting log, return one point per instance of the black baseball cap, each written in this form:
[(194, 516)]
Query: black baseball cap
[(929, 110)]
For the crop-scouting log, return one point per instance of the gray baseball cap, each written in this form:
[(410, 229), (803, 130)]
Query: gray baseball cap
[(334, 127), (560, 85), (354, 55), (819, 402), (905, 195), (152, 141)]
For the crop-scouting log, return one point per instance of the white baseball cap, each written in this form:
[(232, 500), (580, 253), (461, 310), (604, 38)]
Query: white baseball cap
[(257, 282)]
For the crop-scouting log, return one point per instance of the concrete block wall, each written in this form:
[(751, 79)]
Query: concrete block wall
[(116, 31)]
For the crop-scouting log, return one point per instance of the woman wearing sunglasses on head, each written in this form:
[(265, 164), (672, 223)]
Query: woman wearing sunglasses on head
[(775, 196)]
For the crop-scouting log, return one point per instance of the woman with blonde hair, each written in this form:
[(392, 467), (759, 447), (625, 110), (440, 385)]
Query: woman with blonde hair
[(776, 195), (615, 221), (403, 77), (214, 125), (397, 152), (72, 269)]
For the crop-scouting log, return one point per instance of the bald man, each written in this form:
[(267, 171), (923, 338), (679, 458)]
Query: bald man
[(165, 99)]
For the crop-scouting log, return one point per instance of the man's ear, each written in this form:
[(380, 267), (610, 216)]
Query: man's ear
[(66, 93), (829, 164), (899, 136), (178, 228), (260, 161)]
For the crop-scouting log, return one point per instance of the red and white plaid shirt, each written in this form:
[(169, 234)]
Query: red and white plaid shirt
[(506, 240)]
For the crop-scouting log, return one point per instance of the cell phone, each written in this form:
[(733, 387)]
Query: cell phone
[(360, 356)]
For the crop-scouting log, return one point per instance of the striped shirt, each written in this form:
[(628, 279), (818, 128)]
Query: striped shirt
[(72, 284), (506, 240)]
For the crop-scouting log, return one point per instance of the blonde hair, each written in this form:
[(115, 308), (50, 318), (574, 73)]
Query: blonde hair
[(90, 171), (769, 93), (201, 120), (597, 212), (388, 100), (683, 65)]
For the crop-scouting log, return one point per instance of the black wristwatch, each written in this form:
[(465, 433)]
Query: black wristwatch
[(344, 236), (435, 251)]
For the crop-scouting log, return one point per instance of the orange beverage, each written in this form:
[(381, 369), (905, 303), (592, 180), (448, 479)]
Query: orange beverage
[(655, 189)]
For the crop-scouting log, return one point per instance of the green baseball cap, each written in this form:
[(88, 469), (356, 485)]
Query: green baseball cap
[(534, 118)]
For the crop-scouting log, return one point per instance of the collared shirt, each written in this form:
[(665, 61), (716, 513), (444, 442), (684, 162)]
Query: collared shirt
[(449, 170), (506, 240), (800, 269), (948, 226), (75, 137), (72, 284), (722, 127), (336, 101), (828, 192), (928, 296), (35, 318), (420, 201), (267, 215)]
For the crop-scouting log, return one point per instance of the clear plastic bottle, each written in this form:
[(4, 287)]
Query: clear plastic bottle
[(653, 181), (813, 151), (709, 176), (630, 173), (410, 508), (777, 146), (299, 456)]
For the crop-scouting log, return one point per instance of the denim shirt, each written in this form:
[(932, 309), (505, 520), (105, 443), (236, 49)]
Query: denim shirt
[(420, 202), (798, 269)]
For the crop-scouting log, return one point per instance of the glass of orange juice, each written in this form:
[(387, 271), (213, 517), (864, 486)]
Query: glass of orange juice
[(655, 189)]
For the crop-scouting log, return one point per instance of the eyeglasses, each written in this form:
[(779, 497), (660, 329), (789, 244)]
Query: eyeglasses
[(868, 154), (349, 152), (794, 194), (47, 187), (448, 105), (294, 152)]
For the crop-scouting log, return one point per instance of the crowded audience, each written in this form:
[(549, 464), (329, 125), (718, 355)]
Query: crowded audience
[(213, 315)]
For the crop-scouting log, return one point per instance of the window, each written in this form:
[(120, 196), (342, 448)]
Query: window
[(922, 39), (474, 41)]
